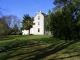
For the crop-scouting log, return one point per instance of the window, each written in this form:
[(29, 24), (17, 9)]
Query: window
[(38, 29), (38, 23), (38, 17)]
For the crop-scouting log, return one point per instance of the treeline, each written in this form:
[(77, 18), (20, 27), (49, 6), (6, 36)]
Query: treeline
[(64, 19), (9, 25)]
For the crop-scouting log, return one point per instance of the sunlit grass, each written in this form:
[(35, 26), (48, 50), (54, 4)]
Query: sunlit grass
[(24, 37)]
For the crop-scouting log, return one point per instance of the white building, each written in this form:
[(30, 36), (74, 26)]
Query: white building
[(38, 27)]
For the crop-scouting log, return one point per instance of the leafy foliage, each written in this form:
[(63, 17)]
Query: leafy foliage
[(47, 21), (3, 27), (27, 22), (65, 23)]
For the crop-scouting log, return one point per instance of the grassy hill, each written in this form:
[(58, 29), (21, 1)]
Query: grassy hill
[(38, 48)]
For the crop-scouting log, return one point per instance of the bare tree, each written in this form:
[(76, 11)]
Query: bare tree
[(7, 19), (3, 9), (11, 20)]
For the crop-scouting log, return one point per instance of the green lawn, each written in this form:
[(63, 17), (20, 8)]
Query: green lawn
[(42, 47), (23, 37)]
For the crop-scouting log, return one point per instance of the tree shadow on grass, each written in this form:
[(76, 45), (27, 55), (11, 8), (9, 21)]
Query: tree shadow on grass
[(52, 51), (41, 53), (64, 57), (9, 51)]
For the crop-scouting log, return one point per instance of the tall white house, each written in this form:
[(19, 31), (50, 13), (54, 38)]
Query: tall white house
[(38, 27)]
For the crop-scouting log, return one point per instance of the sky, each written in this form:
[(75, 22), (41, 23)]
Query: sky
[(21, 7)]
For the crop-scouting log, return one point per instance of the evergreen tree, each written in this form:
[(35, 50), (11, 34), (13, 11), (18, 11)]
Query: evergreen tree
[(65, 22), (27, 22)]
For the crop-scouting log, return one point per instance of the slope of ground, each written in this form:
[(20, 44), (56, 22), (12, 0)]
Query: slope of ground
[(40, 48)]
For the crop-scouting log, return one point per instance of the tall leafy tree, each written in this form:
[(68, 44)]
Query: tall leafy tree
[(47, 21), (27, 22), (3, 28), (63, 22)]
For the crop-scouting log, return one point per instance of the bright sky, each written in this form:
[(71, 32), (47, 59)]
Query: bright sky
[(21, 7)]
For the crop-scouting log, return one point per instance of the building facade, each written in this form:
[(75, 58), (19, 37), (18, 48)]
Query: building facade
[(38, 27)]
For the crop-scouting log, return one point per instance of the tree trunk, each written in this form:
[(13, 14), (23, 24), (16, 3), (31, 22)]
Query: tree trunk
[(29, 31)]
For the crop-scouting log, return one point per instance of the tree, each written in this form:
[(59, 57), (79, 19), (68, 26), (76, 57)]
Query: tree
[(8, 20), (11, 20), (27, 22), (47, 21), (1, 12), (63, 22), (3, 28), (15, 30)]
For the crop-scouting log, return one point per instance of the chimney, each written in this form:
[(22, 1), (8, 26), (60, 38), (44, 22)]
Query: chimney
[(40, 11)]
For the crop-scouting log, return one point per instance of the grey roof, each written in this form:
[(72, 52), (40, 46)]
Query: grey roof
[(43, 14)]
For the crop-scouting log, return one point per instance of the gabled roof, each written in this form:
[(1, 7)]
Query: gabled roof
[(41, 13)]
